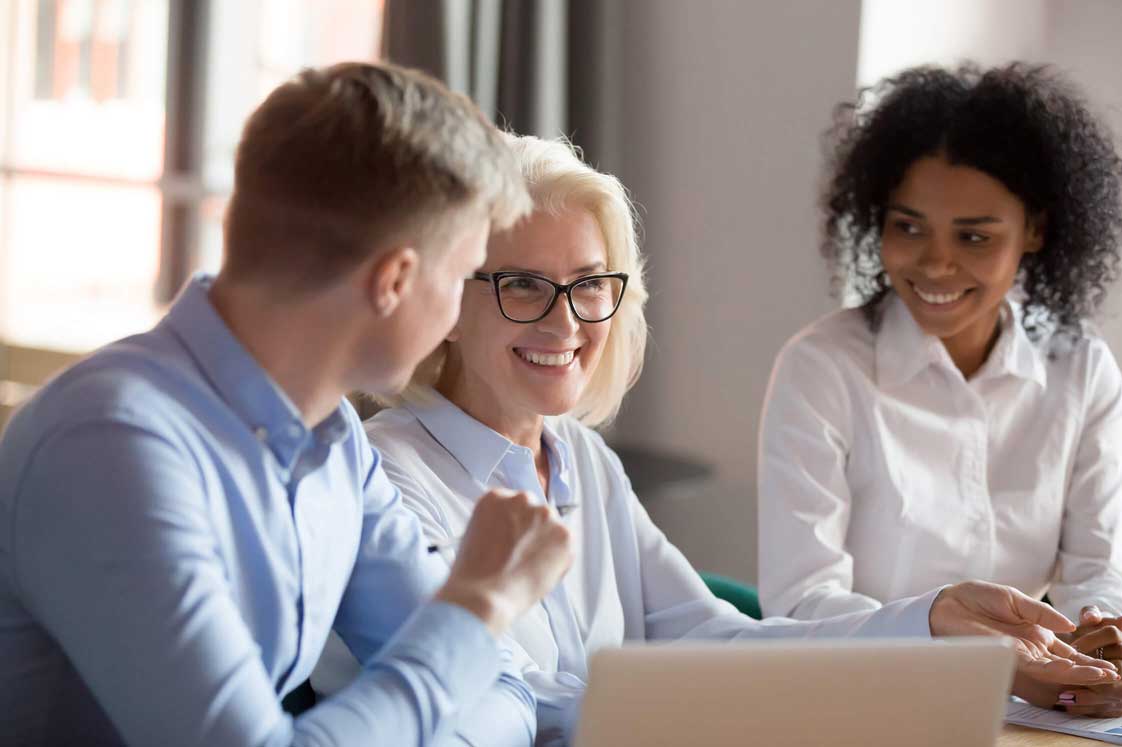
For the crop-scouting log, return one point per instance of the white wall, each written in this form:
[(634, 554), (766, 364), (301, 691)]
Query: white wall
[(896, 34), (722, 107)]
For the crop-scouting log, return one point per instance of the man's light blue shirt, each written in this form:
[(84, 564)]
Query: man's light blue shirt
[(175, 546)]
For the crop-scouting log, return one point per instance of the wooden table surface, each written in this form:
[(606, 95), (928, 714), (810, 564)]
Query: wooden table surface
[(1020, 736)]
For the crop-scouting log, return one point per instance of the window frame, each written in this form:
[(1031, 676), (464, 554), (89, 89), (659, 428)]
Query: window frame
[(180, 186)]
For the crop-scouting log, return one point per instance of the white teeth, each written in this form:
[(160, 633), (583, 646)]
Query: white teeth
[(939, 298), (547, 359)]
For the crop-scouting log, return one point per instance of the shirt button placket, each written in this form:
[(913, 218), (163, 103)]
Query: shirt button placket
[(983, 507), (302, 559)]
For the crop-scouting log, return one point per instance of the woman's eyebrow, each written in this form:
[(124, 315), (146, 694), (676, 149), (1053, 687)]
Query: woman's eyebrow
[(594, 267), (976, 221)]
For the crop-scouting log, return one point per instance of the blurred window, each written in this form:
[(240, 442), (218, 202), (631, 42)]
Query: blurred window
[(117, 141)]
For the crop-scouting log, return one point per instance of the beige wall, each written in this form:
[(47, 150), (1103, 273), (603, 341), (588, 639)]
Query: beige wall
[(722, 103), (22, 370), (716, 130), (1083, 40)]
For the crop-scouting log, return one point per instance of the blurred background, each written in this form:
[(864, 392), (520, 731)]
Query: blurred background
[(118, 121)]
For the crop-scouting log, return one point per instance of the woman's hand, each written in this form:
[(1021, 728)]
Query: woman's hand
[(512, 553), (1099, 634), (1096, 701), (979, 608)]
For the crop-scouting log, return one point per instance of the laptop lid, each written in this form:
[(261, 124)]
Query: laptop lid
[(780, 693)]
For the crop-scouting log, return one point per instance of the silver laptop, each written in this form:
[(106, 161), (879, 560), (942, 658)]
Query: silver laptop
[(779, 693)]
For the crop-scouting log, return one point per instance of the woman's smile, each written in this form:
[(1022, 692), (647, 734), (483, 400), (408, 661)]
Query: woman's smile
[(940, 300), (561, 360)]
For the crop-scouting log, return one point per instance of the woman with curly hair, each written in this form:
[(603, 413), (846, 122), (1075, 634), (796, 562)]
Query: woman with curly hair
[(965, 419)]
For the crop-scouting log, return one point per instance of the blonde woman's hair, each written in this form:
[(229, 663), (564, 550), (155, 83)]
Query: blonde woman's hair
[(558, 178)]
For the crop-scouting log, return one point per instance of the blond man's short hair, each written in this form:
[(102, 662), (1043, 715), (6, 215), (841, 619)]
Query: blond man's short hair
[(558, 178), (342, 160)]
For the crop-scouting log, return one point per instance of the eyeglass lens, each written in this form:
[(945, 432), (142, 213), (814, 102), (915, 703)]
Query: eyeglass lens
[(525, 298)]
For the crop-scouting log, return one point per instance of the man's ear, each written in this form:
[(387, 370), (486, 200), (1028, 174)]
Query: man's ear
[(391, 279), (1034, 236)]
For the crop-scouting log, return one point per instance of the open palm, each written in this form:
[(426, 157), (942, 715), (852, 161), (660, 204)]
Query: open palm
[(979, 608)]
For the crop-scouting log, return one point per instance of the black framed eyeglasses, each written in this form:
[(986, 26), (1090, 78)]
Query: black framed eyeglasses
[(525, 297)]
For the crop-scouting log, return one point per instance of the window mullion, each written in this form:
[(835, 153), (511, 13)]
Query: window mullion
[(183, 148)]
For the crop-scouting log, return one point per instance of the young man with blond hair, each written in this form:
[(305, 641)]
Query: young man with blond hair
[(187, 513)]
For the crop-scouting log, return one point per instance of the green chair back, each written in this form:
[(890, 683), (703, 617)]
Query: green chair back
[(742, 596)]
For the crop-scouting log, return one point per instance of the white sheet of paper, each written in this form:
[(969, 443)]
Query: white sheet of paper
[(1103, 729)]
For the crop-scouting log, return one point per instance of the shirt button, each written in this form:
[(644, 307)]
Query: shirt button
[(262, 433)]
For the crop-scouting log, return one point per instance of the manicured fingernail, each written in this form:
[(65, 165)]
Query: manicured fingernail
[(1067, 698)]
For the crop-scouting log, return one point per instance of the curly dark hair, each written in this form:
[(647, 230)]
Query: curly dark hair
[(1024, 125)]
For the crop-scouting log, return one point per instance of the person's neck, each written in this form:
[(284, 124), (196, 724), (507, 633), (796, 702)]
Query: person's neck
[(971, 347), (287, 341), (523, 428)]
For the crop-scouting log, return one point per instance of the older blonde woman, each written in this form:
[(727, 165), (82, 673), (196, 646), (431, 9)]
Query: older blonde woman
[(550, 337)]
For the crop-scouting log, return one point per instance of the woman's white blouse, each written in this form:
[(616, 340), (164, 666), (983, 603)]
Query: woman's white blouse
[(627, 581), (883, 472)]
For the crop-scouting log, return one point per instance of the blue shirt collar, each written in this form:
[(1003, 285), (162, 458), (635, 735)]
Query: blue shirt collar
[(560, 459), (240, 380), (480, 450), (903, 349)]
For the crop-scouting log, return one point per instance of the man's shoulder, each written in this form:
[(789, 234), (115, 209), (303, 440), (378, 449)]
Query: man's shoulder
[(139, 381)]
